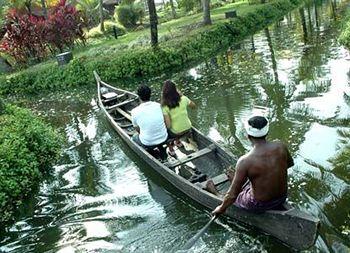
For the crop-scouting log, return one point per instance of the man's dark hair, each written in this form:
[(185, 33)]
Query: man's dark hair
[(258, 122), (144, 92)]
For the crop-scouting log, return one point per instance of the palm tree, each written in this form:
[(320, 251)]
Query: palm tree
[(206, 12), (91, 10), (153, 22)]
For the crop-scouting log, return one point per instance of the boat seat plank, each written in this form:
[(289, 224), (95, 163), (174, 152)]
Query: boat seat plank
[(109, 95), (111, 108), (125, 125), (219, 179), (130, 133), (110, 98), (123, 113), (191, 156)]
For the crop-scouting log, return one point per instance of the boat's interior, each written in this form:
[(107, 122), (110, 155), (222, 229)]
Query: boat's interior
[(197, 159), (200, 161)]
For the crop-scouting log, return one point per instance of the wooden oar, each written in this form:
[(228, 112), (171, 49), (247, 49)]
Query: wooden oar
[(193, 240)]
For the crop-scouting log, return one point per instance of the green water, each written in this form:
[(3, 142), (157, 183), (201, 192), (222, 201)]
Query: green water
[(102, 198)]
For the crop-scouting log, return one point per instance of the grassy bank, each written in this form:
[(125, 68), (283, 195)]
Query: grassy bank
[(187, 42), (27, 149)]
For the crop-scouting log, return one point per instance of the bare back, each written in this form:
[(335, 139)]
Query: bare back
[(266, 167)]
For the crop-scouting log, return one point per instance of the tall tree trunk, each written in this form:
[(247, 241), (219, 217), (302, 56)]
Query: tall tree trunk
[(303, 24), (43, 5), (316, 15), (102, 23), (173, 11), (206, 12), (153, 21)]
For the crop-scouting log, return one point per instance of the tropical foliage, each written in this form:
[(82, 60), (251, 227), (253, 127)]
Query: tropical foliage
[(109, 30), (189, 5), (147, 61), (28, 147), (89, 10), (345, 34), (64, 26), (30, 36), (129, 14)]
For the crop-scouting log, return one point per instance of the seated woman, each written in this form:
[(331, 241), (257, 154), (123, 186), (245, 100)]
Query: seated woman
[(174, 106)]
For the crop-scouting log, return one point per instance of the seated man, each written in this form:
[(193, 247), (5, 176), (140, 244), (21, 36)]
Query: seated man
[(265, 166), (148, 121)]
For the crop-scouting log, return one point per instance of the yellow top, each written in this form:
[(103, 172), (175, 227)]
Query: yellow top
[(178, 116)]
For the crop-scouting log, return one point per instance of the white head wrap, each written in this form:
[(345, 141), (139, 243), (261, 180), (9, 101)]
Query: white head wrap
[(255, 132)]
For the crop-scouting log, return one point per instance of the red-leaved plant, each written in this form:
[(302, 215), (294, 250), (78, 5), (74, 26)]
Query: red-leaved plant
[(30, 37), (64, 26), (25, 37)]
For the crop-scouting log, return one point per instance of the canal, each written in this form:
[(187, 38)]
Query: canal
[(100, 197)]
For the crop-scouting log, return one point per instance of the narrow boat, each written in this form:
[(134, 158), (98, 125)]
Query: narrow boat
[(190, 170)]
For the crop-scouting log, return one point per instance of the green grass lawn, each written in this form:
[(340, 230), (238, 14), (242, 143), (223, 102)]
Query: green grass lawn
[(176, 28)]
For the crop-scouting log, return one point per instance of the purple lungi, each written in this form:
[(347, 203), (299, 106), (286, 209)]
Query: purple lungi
[(247, 201)]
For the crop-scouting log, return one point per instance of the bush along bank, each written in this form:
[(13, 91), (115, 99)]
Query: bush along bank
[(344, 37), (28, 147), (146, 61)]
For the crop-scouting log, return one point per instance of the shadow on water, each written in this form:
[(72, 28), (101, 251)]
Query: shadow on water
[(101, 197)]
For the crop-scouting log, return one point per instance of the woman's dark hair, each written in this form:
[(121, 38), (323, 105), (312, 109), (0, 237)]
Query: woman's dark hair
[(170, 95), (144, 93)]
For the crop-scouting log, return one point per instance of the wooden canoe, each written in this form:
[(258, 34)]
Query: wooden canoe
[(291, 226)]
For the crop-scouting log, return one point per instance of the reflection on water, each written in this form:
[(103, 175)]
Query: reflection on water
[(102, 198)]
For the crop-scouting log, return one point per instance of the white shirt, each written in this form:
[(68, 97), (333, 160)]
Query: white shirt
[(148, 116)]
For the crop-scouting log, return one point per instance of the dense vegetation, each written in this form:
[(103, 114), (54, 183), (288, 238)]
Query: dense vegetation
[(32, 37), (146, 61), (345, 34), (27, 149)]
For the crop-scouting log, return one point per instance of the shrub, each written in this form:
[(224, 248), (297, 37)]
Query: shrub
[(64, 26), (30, 37), (96, 31), (28, 147), (189, 5), (127, 2), (129, 14), (344, 37), (25, 37)]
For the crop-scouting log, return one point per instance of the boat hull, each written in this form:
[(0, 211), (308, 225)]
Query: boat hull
[(293, 227)]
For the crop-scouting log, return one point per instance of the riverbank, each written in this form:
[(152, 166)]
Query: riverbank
[(344, 37), (144, 61), (27, 149)]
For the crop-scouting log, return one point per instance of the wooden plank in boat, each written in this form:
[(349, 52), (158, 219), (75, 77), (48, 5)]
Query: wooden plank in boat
[(123, 113), (109, 95), (125, 125), (219, 179), (192, 156), (110, 108)]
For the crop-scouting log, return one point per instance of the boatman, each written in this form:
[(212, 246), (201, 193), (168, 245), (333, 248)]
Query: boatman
[(148, 121), (260, 179)]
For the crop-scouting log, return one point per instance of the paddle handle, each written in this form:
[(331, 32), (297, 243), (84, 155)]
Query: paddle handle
[(193, 240)]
